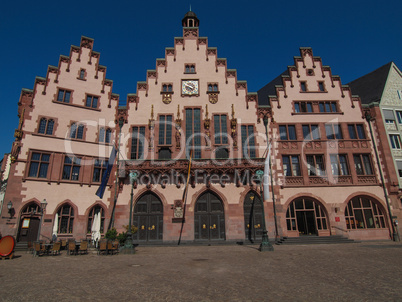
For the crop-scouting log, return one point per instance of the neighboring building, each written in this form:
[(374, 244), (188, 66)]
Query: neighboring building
[(326, 172), (380, 92), (191, 103)]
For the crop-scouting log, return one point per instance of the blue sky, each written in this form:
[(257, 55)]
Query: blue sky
[(258, 38)]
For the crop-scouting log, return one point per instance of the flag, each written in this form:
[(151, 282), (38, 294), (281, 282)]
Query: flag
[(266, 174), (106, 174)]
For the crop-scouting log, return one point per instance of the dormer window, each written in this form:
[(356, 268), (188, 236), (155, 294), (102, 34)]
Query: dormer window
[(189, 68)]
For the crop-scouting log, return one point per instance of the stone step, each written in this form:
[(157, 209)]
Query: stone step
[(336, 239)]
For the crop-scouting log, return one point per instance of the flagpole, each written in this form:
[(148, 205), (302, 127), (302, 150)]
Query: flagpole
[(184, 198), (111, 222), (272, 181)]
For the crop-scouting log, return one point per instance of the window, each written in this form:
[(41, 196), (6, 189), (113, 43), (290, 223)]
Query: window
[(327, 107), (399, 92), (339, 164), (248, 141), (356, 131), (395, 141), (190, 68), (165, 130), (291, 165), (96, 211), (105, 136), (399, 166), (303, 107), (362, 164), (321, 86), (64, 96), (287, 132), (333, 131), (221, 131), (399, 116), (364, 213), (92, 101), (46, 126), (193, 131), (303, 86), (167, 88), (100, 166), (311, 132), (77, 131), (137, 143), (315, 165), (213, 88), (82, 74), (71, 169), (66, 219), (39, 165)]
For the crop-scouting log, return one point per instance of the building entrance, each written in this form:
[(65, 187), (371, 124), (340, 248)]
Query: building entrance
[(29, 223), (253, 217), (209, 218), (148, 218), (306, 216)]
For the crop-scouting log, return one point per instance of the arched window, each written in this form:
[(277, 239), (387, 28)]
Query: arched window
[(77, 131), (108, 135), (46, 126), (364, 213), (66, 219), (98, 213)]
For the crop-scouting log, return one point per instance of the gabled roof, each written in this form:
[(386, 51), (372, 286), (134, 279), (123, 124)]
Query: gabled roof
[(269, 89), (371, 86)]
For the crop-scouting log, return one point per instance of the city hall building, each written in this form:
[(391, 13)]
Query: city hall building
[(191, 144)]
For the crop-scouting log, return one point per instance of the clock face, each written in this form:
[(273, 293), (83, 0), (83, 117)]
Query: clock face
[(189, 87)]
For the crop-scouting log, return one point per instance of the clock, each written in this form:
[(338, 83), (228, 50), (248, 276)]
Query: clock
[(189, 87)]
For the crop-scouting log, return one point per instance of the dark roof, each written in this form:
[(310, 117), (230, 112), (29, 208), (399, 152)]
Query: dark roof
[(371, 86), (269, 89), (190, 14)]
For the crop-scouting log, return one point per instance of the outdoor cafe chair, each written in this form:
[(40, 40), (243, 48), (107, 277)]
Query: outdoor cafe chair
[(30, 247), (102, 246), (71, 247), (56, 248), (38, 249), (83, 247), (114, 247), (63, 244)]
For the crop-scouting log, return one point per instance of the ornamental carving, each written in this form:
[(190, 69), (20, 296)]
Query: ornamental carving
[(87, 43), (64, 59), (108, 83), (166, 98), (52, 69), (318, 180), (143, 86), (179, 41), (95, 55), (341, 145), (343, 180), (317, 145), (161, 63), (75, 49), (101, 68), (363, 144), (152, 74), (169, 51), (213, 98), (211, 51), (306, 51), (40, 81), (293, 180), (193, 32), (202, 41), (366, 179), (241, 85), (221, 62), (231, 73)]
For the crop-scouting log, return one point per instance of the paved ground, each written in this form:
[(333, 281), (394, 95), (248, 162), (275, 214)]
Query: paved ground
[(367, 271)]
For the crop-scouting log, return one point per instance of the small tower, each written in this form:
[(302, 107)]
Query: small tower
[(190, 20)]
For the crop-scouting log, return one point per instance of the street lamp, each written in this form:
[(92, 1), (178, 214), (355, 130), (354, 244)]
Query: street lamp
[(10, 209), (265, 244), (43, 205), (128, 245)]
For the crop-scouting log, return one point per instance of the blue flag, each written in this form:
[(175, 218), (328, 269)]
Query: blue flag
[(106, 175)]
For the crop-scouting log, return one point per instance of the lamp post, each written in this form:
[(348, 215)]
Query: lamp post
[(43, 205), (128, 245), (265, 244), (10, 208)]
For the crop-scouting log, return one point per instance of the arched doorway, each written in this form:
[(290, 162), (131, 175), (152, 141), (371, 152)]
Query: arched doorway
[(148, 218), (209, 218), (29, 223), (306, 216), (253, 217)]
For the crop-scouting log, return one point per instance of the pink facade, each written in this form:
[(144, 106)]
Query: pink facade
[(192, 103)]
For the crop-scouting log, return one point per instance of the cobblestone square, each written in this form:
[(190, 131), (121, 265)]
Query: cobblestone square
[(367, 271)]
